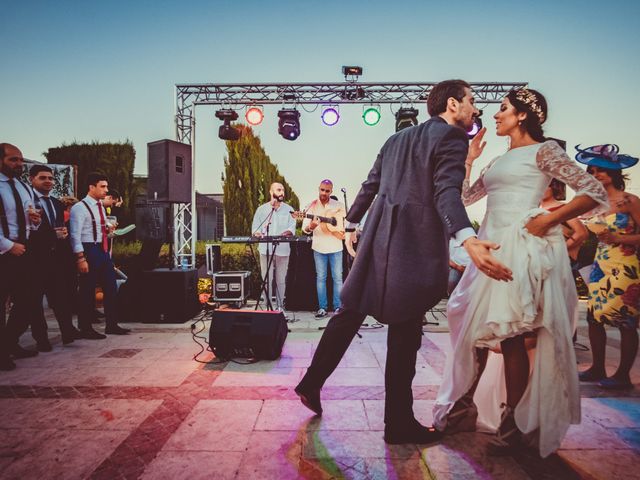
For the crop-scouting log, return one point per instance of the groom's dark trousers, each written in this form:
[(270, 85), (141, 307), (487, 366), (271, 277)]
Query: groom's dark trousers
[(403, 342)]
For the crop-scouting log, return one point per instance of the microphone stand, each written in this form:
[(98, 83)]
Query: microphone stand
[(266, 287)]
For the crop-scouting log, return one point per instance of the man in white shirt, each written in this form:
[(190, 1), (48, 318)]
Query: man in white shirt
[(273, 219), (327, 244), (89, 243), (17, 269)]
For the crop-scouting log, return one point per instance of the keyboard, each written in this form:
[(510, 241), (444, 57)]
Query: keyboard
[(267, 239)]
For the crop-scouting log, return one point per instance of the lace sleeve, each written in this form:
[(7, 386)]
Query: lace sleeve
[(472, 193), (552, 160)]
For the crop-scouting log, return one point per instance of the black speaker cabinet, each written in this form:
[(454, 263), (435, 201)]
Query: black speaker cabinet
[(168, 296), (152, 222), (169, 165), (248, 334)]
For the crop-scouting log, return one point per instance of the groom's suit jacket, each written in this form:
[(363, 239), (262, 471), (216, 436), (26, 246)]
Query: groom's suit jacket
[(401, 268)]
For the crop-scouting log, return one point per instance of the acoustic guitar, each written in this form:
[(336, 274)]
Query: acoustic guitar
[(334, 221)]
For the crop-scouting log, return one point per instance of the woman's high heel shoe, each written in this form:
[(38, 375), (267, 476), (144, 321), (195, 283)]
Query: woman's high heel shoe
[(508, 439), (462, 417)]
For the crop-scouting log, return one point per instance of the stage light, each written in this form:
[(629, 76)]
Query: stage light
[(254, 115), (371, 115), (330, 116), (475, 128), (289, 123), (406, 117), (226, 131), (351, 71)]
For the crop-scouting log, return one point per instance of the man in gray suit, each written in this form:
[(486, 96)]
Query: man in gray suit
[(401, 269)]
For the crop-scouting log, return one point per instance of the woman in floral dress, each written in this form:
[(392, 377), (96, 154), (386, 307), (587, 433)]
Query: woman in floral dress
[(614, 282)]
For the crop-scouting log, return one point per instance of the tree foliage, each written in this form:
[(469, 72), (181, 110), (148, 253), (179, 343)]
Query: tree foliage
[(248, 174), (115, 160)]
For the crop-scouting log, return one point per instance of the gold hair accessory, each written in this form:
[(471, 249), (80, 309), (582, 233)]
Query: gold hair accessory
[(529, 98)]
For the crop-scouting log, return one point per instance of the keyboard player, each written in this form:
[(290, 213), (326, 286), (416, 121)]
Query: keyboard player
[(271, 219)]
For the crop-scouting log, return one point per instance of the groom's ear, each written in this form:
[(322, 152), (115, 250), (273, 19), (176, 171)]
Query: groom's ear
[(452, 104)]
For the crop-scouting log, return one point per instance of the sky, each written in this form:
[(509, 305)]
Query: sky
[(105, 71)]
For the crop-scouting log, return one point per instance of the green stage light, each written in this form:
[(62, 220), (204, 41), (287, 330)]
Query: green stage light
[(371, 115)]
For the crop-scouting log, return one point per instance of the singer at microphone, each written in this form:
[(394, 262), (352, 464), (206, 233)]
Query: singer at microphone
[(274, 219)]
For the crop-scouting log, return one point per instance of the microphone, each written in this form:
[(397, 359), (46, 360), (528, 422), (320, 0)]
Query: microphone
[(343, 190)]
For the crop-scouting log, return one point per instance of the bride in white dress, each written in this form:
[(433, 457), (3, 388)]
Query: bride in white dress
[(525, 325)]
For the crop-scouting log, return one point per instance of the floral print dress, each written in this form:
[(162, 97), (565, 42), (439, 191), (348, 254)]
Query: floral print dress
[(614, 283)]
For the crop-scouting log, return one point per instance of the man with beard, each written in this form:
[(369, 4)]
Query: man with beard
[(17, 220), (402, 263)]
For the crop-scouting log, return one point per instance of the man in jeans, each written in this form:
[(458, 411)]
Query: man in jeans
[(327, 244)]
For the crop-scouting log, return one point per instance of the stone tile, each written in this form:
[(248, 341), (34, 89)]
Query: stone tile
[(357, 377), (321, 444), (277, 455), (121, 353), (422, 409), (297, 349), (602, 464), (385, 468), (630, 435), (359, 356), (590, 435), (64, 454), (75, 413), (464, 456), (172, 465), (621, 412), (165, 373), (216, 425), (426, 375), (290, 414), (274, 377), (293, 362)]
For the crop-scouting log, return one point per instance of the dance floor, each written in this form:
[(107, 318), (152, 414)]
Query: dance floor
[(138, 406)]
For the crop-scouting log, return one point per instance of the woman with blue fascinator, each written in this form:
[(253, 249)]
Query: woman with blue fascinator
[(614, 283)]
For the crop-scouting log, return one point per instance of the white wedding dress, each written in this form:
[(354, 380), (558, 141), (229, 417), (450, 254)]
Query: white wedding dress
[(541, 298)]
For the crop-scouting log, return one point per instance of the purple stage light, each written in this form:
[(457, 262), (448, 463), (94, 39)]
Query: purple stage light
[(330, 116)]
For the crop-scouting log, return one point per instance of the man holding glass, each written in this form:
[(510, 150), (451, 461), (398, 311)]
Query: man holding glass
[(52, 251), (18, 219), (89, 231)]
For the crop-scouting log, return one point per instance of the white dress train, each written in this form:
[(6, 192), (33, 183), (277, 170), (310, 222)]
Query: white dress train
[(541, 298)]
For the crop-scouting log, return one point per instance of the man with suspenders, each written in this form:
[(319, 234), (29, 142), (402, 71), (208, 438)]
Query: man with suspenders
[(89, 242), (16, 263)]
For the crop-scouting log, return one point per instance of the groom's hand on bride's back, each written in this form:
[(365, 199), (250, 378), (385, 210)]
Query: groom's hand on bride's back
[(480, 253)]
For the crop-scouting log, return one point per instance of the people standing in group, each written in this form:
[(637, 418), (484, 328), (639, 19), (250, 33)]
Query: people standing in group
[(327, 244), (401, 267), (18, 219), (51, 249), (274, 219), (539, 304), (613, 285), (89, 232)]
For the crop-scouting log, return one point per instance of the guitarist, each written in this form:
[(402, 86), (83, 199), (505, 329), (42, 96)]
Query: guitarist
[(327, 244)]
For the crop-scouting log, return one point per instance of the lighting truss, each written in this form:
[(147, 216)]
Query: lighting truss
[(245, 94)]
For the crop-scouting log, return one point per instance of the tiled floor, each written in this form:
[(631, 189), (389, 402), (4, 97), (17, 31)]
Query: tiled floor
[(139, 407)]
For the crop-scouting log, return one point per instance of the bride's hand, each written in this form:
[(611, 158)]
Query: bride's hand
[(538, 226), (476, 146)]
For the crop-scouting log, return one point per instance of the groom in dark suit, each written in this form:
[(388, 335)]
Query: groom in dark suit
[(401, 269), (55, 263)]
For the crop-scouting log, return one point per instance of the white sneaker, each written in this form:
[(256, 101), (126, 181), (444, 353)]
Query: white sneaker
[(321, 313)]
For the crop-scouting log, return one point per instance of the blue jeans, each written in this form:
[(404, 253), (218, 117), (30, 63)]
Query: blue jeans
[(335, 262)]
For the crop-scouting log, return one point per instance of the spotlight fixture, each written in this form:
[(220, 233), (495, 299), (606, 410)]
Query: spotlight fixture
[(330, 115), (289, 123), (254, 115), (406, 117), (351, 71), (371, 115), (476, 127), (226, 131)]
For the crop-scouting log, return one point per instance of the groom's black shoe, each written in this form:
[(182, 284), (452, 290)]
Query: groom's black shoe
[(414, 433), (310, 399)]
